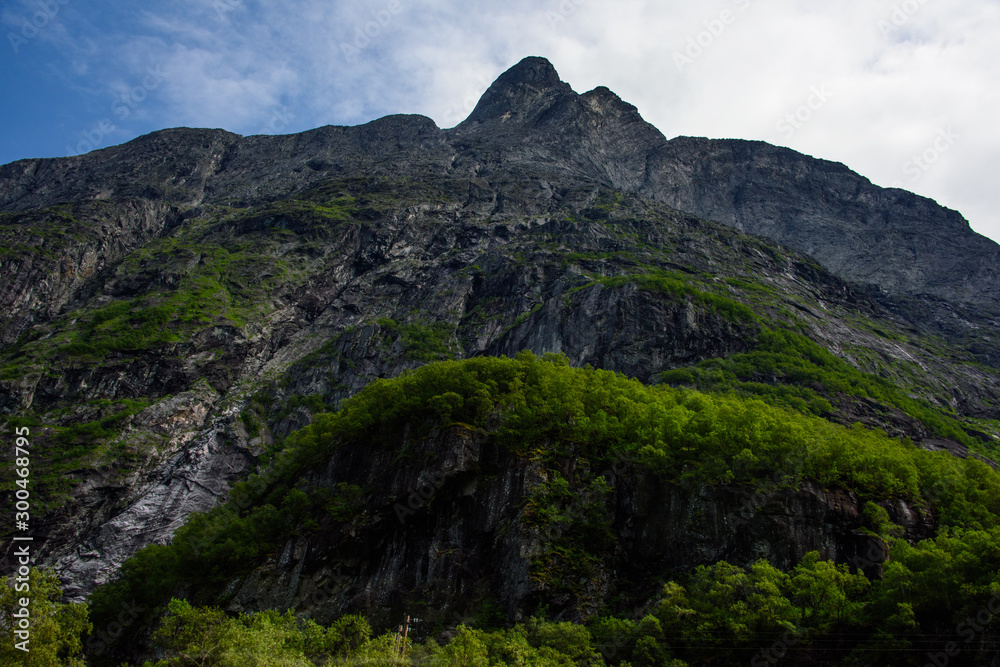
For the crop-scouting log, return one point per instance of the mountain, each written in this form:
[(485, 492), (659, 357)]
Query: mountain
[(187, 306)]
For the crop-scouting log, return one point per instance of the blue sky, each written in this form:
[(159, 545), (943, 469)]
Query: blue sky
[(906, 92)]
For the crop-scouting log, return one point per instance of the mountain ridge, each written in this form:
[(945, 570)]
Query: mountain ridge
[(599, 138)]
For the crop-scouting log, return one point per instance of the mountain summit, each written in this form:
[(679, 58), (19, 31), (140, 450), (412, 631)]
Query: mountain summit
[(526, 86)]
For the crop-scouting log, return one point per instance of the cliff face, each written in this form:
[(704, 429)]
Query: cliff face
[(50, 257), (906, 245), (160, 286), (452, 528)]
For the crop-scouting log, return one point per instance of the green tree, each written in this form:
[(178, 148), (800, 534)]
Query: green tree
[(825, 592), (347, 634), (55, 628), (193, 635), (466, 649), (565, 639), (387, 650), (724, 609), (207, 637)]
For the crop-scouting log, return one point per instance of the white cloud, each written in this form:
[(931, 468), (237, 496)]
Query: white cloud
[(899, 70)]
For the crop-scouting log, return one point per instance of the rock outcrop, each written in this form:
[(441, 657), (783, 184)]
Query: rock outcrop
[(451, 530)]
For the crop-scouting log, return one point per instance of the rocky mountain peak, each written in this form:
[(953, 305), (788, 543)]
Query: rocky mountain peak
[(529, 121), (519, 92)]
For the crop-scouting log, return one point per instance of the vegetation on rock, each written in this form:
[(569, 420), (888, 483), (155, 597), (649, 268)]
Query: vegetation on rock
[(545, 410)]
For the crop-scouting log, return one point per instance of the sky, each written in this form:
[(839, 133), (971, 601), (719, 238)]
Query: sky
[(905, 92)]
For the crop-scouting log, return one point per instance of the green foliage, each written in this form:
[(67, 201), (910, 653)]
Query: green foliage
[(145, 581), (199, 636), (346, 635), (88, 433), (193, 637), (200, 275), (251, 422), (538, 643), (719, 614), (574, 523), (679, 286), (732, 605), (56, 629), (427, 342), (542, 643), (466, 649), (422, 341), (877, 519), (125, 326), (446, 404), (951, 576), (825, 593), (725, 613), (524, 317), (307, 216), (941, 589), (204, 636), (346, 504), (543, 409), (564, 639), (60, 450), (788, 369), (154, 319), (312, 402)]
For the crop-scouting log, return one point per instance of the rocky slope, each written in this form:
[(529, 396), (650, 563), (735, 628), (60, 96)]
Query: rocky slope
[(163, 286)]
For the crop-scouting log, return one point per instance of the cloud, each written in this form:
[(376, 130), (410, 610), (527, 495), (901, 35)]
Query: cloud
[(894, 73)]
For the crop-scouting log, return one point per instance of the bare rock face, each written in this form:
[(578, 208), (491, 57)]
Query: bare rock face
[(452, 527), (905, 244), (108, 519), (521, 93), (627, 330), (51, 269)]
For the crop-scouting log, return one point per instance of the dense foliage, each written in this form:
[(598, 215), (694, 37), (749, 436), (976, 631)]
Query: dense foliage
[(549, 409), (789, 369), (55, 629), (935, 592), (544, 409)]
